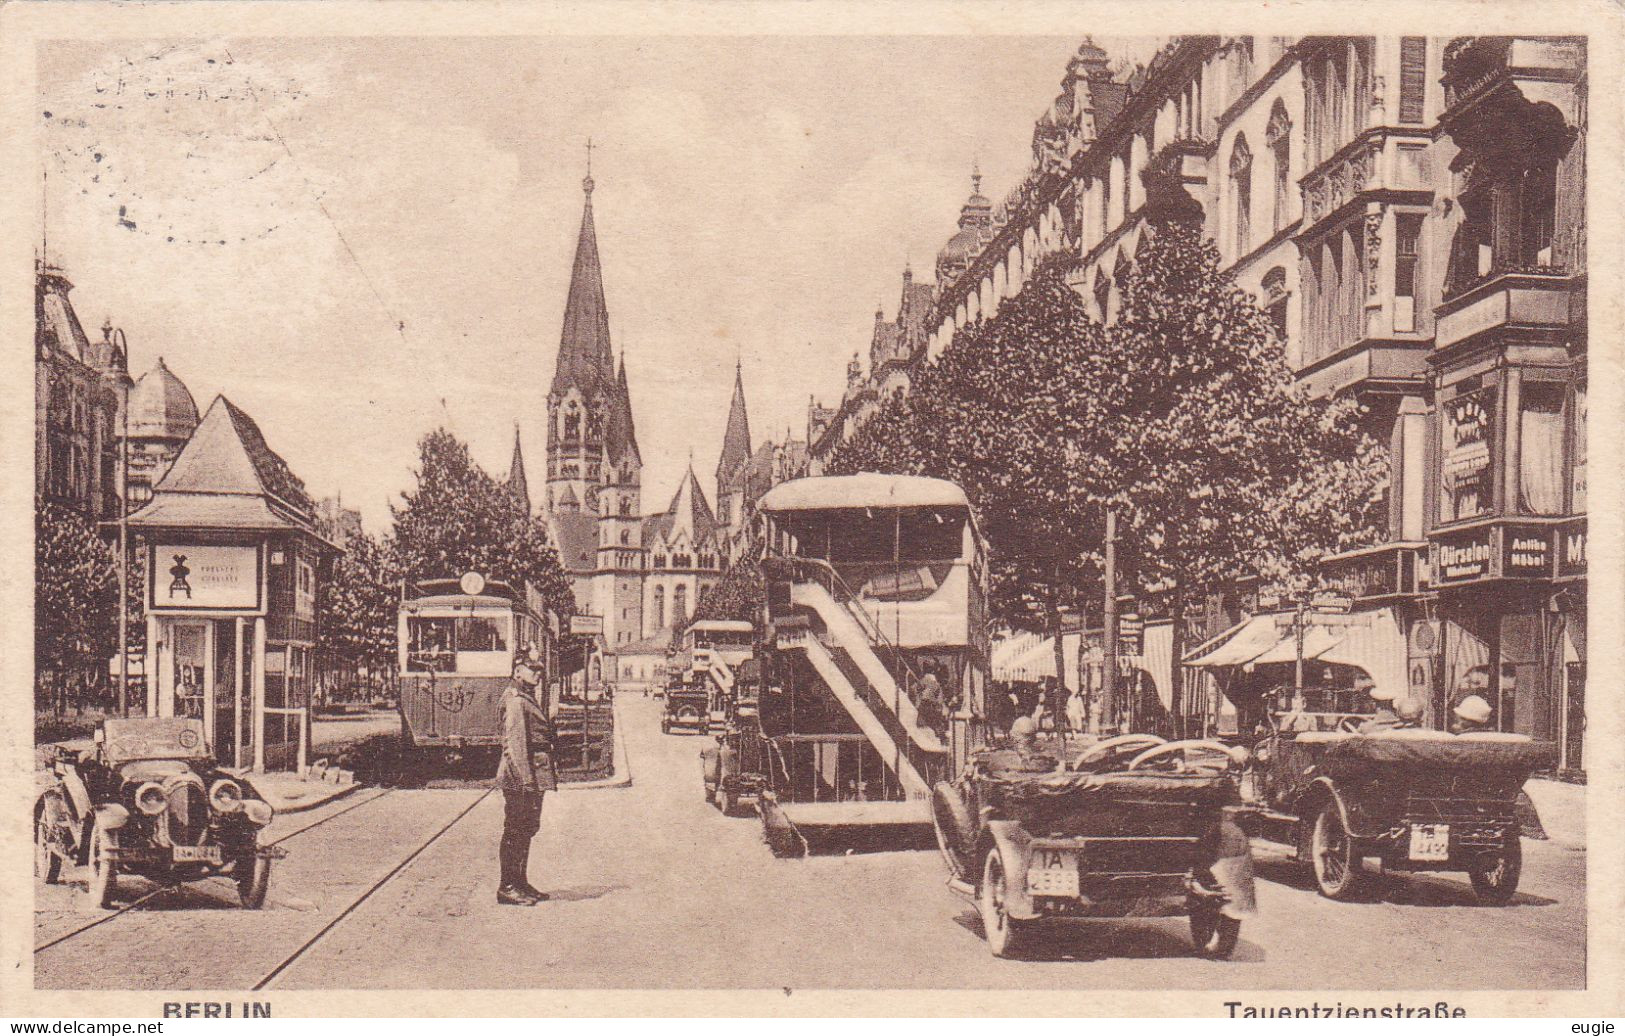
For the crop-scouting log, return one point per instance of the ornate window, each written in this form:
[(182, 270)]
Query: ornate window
[(679, 605), (1278, 136), (660, 607), (572, 424), (1241, 178), (1275, 300)]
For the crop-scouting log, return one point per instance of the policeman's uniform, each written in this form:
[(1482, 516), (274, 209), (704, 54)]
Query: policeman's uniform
[(524, 774)]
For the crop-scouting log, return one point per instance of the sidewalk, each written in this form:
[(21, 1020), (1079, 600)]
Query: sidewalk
[(1562, 809), (291, 793)]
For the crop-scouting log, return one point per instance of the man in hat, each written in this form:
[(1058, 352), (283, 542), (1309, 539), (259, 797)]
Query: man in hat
[(1470, 714), (523, 779), (1409, 712), (1385, 718)]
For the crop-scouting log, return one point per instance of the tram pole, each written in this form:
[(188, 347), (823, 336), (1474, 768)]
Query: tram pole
[(1108, 673)]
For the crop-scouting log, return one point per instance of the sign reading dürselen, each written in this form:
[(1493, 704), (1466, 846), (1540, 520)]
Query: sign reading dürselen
[(199, 577)]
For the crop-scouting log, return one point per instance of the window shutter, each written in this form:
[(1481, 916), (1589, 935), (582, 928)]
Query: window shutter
[(1413, 63)]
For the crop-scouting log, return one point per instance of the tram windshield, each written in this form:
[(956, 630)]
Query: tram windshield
[(472, 644)]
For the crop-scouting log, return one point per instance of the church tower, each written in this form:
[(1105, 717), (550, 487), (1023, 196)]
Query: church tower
[(732, 470), (594, 471)]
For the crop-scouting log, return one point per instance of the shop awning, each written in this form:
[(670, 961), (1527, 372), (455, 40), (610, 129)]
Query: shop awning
[(1317, 641), (1025, 656), (1238, 645), (1375, 645)]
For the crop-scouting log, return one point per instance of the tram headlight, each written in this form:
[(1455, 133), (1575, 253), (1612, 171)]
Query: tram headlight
[(226, 796), (151, 799)]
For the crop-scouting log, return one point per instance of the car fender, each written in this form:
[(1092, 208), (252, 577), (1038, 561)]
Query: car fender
[(710, 765), (1233, 871), (78, 794), (1015, 847), (1320, 788), (110, 816)]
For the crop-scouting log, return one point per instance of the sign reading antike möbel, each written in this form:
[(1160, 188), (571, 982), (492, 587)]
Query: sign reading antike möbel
[(195, 577)]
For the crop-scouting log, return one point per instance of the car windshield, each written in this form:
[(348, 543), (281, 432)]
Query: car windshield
[(126, 740)]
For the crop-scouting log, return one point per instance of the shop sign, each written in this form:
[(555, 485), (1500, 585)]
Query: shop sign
[(1130, 635), (1464, 557), (586, 625), (195, 577), (1527, 551), (1571, 549), (1372, 576), (1332, 603)]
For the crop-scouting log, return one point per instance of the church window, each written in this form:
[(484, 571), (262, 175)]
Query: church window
[(660, 607), (572, 424), (595, 427), (660, 561), (626, 506), (626, 537), (679, 605)]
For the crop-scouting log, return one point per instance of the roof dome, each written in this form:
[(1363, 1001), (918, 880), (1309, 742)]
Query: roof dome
[(161, 406), (974, 217)]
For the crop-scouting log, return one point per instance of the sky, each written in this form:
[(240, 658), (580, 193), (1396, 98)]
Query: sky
[(360, 240)]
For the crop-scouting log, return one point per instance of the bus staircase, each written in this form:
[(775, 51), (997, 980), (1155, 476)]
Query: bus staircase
[(722, 683), (843, 645)]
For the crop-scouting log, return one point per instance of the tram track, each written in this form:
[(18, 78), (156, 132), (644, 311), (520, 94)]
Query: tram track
[(161, 890), (309, 944)]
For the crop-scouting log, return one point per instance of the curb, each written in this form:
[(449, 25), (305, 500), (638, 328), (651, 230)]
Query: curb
[(623, 765), (301, 806)]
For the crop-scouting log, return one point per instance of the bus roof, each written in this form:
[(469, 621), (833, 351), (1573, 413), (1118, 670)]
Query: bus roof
[(865, 489), (721, 626)]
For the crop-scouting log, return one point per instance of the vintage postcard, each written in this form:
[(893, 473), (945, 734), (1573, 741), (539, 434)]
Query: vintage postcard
[(1024, 509)]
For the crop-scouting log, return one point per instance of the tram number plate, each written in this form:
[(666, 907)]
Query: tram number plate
[(1053, 872), (1430, 841), (197, 854)]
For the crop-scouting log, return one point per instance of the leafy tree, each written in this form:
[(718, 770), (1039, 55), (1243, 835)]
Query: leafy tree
[(358, 607), (459, 518), (738, 595), (1181, 416), (75, 603)]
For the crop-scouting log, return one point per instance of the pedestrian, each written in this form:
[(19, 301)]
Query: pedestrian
[(524, 774), (930, 706)]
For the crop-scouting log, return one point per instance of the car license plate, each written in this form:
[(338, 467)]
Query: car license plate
[(1430, 841), (197, 854), (1053, 872)]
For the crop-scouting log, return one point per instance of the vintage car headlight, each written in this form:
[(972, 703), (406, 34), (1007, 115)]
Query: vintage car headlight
[(150, 798), (258, 813), (226, 796)]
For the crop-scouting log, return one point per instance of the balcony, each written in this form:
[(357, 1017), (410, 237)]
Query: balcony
[(1383, 163), (1526, 295)]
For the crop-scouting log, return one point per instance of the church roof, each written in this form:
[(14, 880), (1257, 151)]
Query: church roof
[(161, 406), (517, 484), (585, 361), (577, 535), (689, 513), (736, 439)]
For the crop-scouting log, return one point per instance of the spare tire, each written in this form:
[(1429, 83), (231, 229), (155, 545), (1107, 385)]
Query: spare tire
[(955, 829)]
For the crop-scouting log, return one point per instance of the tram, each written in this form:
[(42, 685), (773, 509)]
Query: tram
[(876, 668), (457, 643)]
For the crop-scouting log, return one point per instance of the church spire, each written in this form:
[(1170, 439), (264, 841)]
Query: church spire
[(517, 484), (585, 361), (736, 439)]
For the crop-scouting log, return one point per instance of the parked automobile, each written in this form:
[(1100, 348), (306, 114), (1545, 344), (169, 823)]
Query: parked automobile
[(1418, 800), (1134, 827), (145, 797), (734, 768)]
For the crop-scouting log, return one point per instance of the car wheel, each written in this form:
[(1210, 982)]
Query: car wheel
[(1495, 878), (1213, 934), (253, 874), (47, 864), (1331, 852), (1005, 934), (103, 868)]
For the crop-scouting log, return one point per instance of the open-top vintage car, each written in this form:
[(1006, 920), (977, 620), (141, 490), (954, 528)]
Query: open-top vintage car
[(734, 767), (1134, 827), (145, 797), (1418, 800)]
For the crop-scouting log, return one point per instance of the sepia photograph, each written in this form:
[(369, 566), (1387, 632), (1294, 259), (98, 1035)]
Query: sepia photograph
[(1043, 512)]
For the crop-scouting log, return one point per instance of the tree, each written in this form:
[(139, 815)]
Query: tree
[(358, 607), (1221, 463), (461, 519), (738, 595), (1182, 416), (75, 603)]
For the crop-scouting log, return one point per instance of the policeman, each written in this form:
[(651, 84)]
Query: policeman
[(523, 779)]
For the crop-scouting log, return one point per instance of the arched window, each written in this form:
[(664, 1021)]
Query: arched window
[(1275, 297), (660, 607), (1103, 293), (1241, 177), (626, 506), (679, 605), (1279, 138), (572, 424), (626, 537)]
